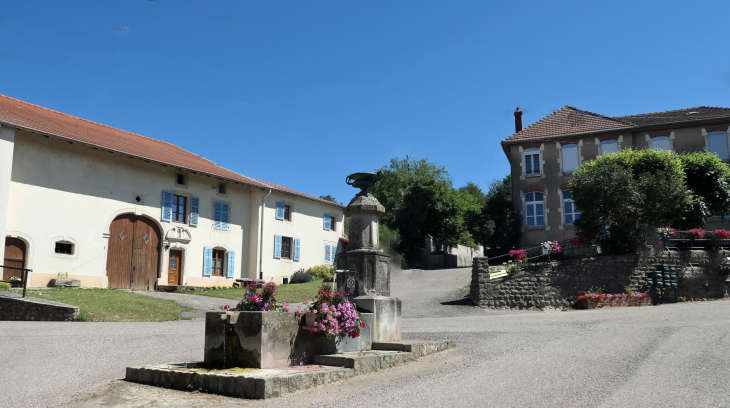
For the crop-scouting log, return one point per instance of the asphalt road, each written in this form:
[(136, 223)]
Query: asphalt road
[(667, 356)]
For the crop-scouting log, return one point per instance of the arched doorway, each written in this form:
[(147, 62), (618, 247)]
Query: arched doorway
[(133, 256), (14, 258)]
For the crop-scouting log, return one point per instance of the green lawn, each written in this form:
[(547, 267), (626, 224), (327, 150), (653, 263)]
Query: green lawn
[(291, 293), (109, 305)]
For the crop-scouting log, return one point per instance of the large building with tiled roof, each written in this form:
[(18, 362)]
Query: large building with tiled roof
[(544, 155), (116, 209)]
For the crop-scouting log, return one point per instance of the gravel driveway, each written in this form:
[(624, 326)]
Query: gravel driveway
[(668, 356)]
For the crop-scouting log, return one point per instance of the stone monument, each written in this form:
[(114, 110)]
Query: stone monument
[(366, 268)]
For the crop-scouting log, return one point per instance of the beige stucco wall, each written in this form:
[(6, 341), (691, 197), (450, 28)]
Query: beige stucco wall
[(7, 146), (307, 224), (61, 191), (69, 192), (684, 140)]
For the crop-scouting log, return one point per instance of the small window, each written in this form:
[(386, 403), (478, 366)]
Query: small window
[(717, 142), (218, 260), (287, 212), (222, 188), (609, 146), (178, 208), (532, 162), (660, 143), (64, 248), (330, 253), (286, 248), (570, 158), (534, 210), (571, 213), (181, 179), (333, 220)]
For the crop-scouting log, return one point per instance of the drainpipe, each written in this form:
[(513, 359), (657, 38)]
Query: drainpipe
[(261, 238)]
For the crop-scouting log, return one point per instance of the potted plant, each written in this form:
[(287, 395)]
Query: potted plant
[(722, 236), (15, 282), (333, 314), (697, 237), (668, 236)]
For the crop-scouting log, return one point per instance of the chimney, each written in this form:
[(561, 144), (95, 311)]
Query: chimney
[(518, 120)]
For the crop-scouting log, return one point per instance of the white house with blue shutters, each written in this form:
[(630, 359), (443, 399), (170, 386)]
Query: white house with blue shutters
[(116, 209)]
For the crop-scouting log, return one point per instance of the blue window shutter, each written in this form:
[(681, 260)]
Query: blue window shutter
[(194, 211), (279, 210), (327, 222), (231, 263), (216, 215), (166, 206), (296, 249), (334, 251), (326, 253), (224, 216), (207, 261), (277, 246)]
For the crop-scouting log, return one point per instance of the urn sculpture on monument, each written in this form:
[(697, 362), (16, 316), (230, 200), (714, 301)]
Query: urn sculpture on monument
[(367, 269)]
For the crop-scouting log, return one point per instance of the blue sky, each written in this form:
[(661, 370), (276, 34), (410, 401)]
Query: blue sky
[(302, 93)]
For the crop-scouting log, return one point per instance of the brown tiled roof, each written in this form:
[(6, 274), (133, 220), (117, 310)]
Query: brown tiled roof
[(565, 122), (679, 115), (570, 121), (25, 115)]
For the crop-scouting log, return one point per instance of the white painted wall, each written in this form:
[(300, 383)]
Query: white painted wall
[(307, 224), (7, 145), (72, 192)]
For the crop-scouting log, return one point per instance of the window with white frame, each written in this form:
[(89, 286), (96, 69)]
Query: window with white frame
[(570, 157), (532, 162), (534, 209), (661, 143), (717, 143), (570, 212), (608, 146), (330, 253)]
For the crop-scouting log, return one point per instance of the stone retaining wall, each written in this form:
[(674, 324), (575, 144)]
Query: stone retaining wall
[(701, 275), (14, 307)]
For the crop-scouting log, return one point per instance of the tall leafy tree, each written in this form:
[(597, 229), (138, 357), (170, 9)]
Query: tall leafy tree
[(500, 223), (474, 190), (397, 179), (621, 195), (708, 178)]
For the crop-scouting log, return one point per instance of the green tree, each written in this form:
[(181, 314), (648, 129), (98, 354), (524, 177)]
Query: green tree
[(621, 195), (433, 208), (500, 223), (474, 190), (398, 177), (708, 178), (329, 198)]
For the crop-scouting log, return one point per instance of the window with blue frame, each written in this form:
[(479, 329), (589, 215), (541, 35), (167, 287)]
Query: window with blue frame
[(570, 212), (534, 209), (532, 162)]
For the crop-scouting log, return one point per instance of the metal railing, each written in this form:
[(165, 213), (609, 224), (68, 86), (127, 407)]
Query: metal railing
[(24, 274), (538, 256), (689, 240)]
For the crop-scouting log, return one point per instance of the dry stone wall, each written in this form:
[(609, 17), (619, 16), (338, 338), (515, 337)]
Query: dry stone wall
[(701, 275), (15, 307)]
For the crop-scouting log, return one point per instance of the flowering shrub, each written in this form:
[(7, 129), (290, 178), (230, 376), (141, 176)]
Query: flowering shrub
[(695, 233), (612, 295), (580, 242), (334, 314), (518, 254), (721, 234), (552, 247), (255, 301), (667, 232)]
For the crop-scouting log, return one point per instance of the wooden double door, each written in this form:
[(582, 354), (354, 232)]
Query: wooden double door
[(133, 257), (14, 257)]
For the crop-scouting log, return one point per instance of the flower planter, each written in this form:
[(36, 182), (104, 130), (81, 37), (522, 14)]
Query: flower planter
[(723, 243), (16, 284), (272, 339), (615, 301), (701, 243), (65, 283)]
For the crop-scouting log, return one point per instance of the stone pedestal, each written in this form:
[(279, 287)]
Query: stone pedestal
[(387, 315), (369, 267)]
